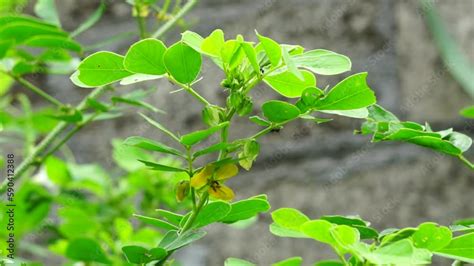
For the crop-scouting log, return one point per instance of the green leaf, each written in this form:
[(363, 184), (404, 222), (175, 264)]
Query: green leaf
[(460, 248), (290, 64), (182, 62), (161, 167), (378, 113), (100, 69), (68, 115), (146, 57), (319, 230), (251, 56), (160, 127), (289, 218), (51, 41), (232, 53), (22, 30), (259, 121), (237, 262), (344, 220), (246, 209), (272, 49), (355, 222), (85, 249), (466, 112), (156, 222), (399, 253), (211, 213), (151, 145), (397, 235), (281, 231), (197, 136), (134, 102), (345, 235), (360, 113), (323, 62), (436, 143), (96, 105), (289, 85), (57, 170), (46, 9), (431, 236), (351, 93), (140, 255), (172, 217), (249, 153), (90, 21), (4, 47), (278, 111), (192, 39), (213, 44), (173, 241), (294, 261)]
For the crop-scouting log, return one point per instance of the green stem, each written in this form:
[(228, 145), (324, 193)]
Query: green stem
[(160, 31), (48, 140), (38, 91), (140, 22), (195, 213), (190, 90), (466, 162), (68, 136)]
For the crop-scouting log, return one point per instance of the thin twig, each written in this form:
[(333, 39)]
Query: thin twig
[(38, 91), (163, 29)]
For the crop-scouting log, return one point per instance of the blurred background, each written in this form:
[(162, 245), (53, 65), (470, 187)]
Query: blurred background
[(319, 169)]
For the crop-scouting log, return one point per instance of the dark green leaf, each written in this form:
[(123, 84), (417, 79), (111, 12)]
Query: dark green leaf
[(211, 213), (351, 93), (197, 136), (245, 209), (278, 111)]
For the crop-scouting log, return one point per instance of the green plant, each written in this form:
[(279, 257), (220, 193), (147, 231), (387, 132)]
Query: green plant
[(356, 243), (288, 70), (58, 54)]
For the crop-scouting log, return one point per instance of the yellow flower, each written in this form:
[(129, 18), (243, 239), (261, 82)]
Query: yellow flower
[(220, 191), (214, 178)]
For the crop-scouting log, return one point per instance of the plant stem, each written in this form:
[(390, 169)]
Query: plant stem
[(466, 161), (48, 140), (195, 213), (140, 22), (189, 89), (161, 30), (38, 91), (69, 135)]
